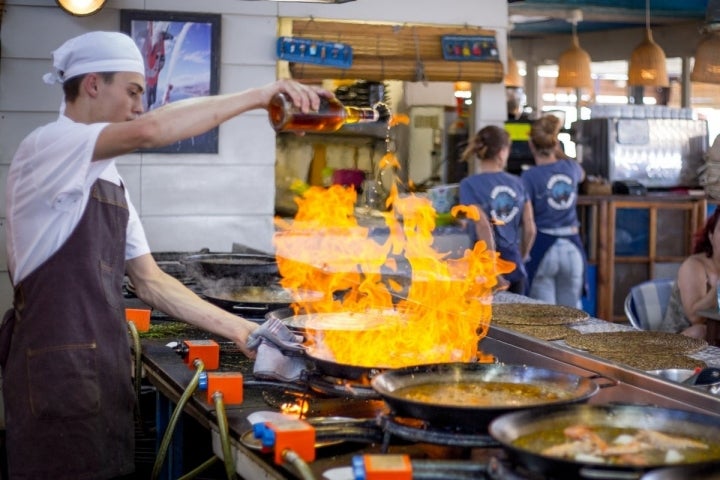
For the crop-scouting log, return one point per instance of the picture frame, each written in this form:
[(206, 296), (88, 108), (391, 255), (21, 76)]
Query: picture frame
[(182, 58)]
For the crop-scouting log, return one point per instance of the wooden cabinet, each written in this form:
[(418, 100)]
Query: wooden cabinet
[(631, 239)]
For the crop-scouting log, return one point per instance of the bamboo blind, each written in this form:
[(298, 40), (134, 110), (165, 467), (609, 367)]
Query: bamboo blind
[(394, 52)]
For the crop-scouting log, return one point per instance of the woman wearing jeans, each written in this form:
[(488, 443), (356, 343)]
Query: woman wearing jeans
[(556, 268)]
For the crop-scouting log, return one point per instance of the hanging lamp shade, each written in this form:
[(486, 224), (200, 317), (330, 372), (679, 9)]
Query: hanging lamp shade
[(574, 67), (707, 59), (512, 72), (81, 8), (647, 66)]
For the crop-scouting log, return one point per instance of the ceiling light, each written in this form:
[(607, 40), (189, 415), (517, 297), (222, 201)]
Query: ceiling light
[(574, 63), (647, 65), (707, 55), (512, 74), (81, 8), (707, 59)]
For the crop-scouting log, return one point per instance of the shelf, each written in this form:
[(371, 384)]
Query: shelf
[(374, 130), (652, 256)]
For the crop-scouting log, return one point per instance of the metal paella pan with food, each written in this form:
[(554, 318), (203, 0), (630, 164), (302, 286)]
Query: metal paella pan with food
[(470, 395), (254, 299), (608, 441)]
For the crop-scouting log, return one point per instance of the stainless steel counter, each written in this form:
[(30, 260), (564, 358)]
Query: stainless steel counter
[(619, 385)]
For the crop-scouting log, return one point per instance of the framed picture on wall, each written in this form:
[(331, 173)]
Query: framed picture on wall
[(182, 57)]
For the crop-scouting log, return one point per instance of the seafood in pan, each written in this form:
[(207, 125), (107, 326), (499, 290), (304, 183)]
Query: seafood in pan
[(613, 445)]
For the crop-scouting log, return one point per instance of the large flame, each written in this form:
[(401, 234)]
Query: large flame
[(432, 308)]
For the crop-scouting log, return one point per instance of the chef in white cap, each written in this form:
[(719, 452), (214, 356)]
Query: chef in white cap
[(72, 234)]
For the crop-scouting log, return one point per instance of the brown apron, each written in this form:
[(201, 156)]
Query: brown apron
[(67, 367)]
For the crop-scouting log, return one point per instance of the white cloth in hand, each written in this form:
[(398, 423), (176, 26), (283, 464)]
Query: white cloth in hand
[(279, 352)]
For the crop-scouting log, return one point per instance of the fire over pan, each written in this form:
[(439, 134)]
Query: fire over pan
[(319, 360), (508, 428), (402, 389)]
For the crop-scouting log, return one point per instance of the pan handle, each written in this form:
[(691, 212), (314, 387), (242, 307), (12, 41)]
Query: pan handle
[(263, 308), (600, 474), (609, 382)]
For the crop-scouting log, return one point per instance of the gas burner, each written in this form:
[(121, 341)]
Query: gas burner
[(498, 469), (420, 431), (340, 387)]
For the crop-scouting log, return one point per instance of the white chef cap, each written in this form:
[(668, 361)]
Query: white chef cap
[(95, 52)]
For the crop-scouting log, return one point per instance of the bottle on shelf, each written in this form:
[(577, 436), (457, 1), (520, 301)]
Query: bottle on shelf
[(331, 115)]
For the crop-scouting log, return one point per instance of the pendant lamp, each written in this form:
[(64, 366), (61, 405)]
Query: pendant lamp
[(80, 8), (647, 65), (574, 63), (707, 59), (512, 72), (707, 55)]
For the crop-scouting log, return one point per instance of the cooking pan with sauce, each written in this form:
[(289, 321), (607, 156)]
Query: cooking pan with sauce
[(257, 299), (471, 395), (324, 365), (536, 438), (244, 268)]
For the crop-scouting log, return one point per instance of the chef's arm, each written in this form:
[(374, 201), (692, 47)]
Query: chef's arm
[(167, 294), (193, 116)]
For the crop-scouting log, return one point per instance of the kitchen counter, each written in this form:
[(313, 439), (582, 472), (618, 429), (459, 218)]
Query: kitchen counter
[(168, 373), (710, 354)]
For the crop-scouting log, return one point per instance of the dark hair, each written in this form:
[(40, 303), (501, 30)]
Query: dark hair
[(486, 143), (71, 86), (701, 242), (543, 134)]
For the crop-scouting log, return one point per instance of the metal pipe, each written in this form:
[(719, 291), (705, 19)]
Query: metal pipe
[(224, 435), (301, 467), (447, 469), (200, 468), (138, 368), (167, 437)]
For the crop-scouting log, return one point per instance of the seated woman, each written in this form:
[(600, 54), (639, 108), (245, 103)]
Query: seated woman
[(696, 285)]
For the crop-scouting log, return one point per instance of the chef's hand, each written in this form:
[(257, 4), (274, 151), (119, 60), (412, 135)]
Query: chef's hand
[(241, 340), (305, 97)]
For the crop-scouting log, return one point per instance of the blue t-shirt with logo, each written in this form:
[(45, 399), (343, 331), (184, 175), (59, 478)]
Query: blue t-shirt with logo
[(553, 191), (501, 196)]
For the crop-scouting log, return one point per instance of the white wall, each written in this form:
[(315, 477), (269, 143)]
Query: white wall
[(192, 201)]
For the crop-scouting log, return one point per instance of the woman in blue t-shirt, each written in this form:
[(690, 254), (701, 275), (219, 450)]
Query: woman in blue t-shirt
[(556, 268), (502, 198)]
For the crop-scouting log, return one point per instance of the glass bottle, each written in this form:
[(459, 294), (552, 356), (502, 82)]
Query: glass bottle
[(332, 114)]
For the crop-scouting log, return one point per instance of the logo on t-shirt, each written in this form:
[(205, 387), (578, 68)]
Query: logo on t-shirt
[(503, 204), (562, 192)]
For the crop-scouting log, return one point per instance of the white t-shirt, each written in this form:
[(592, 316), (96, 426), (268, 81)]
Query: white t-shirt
[(48, 187)]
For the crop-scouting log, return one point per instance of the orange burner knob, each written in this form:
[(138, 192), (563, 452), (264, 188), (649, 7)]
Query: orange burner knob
[(208, 351), (295, 435), (230, 384), (382, 467), (140, 317)]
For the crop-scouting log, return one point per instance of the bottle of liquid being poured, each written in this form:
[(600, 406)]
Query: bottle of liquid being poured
[(332, 114)]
